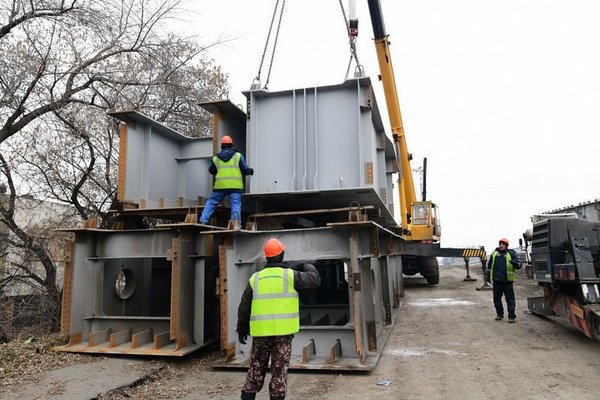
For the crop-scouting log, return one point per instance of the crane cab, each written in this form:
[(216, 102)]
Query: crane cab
[(425, 222)]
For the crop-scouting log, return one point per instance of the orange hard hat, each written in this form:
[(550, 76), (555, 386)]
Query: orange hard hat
[(504, 240), (226, 140), (273, 248)]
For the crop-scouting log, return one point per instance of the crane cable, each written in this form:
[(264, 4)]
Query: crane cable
[(351, 36), (352, 41), (257, 78)]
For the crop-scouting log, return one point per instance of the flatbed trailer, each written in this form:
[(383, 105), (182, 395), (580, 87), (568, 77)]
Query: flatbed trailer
[(565, 254)]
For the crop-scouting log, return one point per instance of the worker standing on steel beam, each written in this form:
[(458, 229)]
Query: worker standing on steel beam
[(270, 312), (230, 167), (502, 267)]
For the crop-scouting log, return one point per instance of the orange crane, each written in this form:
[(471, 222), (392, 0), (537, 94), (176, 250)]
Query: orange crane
[(420, 223)]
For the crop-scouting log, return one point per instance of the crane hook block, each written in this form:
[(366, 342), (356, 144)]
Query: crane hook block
[(353, 28)]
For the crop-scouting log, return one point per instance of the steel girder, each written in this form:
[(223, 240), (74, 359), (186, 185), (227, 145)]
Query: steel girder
[(171, 291), (344, 325), (138, 292)]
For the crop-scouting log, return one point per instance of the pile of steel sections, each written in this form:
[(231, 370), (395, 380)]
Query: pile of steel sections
[(322, 184)]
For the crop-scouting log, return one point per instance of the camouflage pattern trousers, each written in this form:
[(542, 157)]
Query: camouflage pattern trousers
[(279, 350)]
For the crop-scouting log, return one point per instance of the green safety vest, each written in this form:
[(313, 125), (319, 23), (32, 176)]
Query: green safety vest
[(510, 270), (229, 175), (275, 304)]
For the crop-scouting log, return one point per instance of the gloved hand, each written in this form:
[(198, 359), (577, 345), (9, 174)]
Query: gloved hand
[(242, 337), (250, 171)]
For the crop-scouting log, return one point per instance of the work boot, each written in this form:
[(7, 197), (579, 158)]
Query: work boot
[(498, 317), (511, 320), (248, 396)]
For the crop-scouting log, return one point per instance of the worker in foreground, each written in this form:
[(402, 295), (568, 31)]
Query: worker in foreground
[(270, 312), (229, 168), (502, 267)]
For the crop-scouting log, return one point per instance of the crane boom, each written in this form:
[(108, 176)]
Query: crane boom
[(406, 186)]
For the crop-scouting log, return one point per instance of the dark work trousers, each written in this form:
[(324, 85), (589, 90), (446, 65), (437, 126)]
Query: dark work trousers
[(279, 350), (506, 289)]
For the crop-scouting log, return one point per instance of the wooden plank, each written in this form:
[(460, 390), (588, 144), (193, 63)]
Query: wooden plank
[(175, 287), (65, 316), (223, 294), (192, 216), (309, 212), (122, 162), (356, 297)]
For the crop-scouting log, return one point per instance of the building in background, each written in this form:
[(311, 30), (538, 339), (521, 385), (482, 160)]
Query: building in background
[(22, 274)]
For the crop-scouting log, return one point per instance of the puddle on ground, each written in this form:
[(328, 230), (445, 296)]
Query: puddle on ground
[(416, 352), (440, 302)]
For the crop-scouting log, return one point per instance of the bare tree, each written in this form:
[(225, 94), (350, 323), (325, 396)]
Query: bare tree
[(63, 64), (15, 12), (55, 53)]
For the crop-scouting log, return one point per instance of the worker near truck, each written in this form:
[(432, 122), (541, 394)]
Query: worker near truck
[(502, 267), (229, 168), (270, 312)]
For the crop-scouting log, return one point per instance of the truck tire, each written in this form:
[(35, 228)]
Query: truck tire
[(431, 270)]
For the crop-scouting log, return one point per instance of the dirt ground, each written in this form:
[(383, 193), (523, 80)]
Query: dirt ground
[(445, 345)]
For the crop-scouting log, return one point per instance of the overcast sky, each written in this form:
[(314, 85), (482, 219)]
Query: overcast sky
[(502, 97)]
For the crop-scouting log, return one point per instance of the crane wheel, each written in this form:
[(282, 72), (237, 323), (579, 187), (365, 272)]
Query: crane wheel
[(431, 270)]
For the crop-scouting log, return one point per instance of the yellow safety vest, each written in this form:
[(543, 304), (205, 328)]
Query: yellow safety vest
[(229, 175), (275, 304), (510, 270)]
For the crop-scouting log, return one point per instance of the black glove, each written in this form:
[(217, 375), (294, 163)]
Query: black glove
[(242, 333), (242, 337), (250, 171), (516, 265)]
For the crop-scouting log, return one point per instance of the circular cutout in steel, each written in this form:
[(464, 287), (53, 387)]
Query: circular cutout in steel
[(124, 283)]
